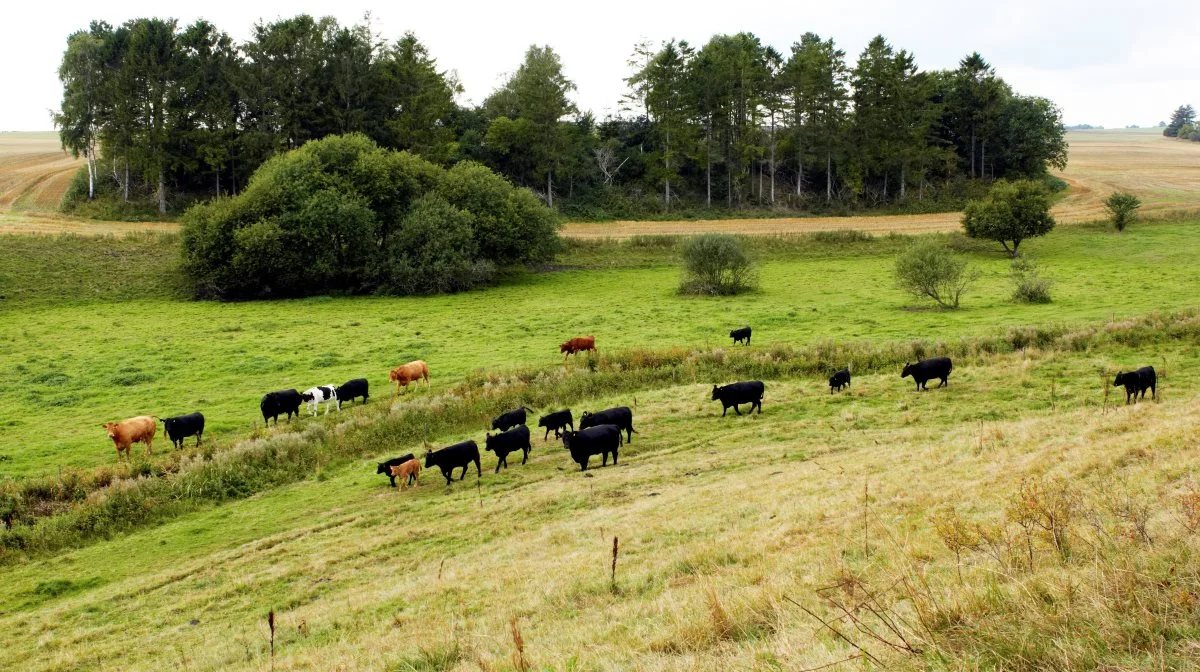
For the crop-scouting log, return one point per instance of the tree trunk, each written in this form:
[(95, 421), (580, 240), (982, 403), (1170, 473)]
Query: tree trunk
[(760, 178), (708, 168), (799, 172), (902, 171), (828, 176), (550, 187), (972, 150), (126, 184), (162, 191), (983, 158), (885, 186), (91, 176), (772, 157), (218, 172), (667, 178)]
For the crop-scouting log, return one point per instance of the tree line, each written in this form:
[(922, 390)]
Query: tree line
[(1183, 124), (168, 113)]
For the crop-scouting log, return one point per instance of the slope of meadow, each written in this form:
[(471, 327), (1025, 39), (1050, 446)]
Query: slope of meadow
[(735, 536), (84, 350)]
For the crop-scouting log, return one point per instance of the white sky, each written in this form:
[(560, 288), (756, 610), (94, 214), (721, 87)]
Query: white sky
[(1104, 62)]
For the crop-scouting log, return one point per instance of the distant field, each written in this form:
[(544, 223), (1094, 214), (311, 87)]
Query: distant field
[(1165, 173), (88, 336)]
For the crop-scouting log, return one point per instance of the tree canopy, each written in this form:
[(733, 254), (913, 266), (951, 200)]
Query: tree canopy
[(1010, 213), (168, 114)]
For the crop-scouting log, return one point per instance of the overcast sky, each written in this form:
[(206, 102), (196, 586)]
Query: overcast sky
[(1105, 63)]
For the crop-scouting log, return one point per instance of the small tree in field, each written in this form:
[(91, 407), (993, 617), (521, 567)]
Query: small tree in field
[(1122, 209), (716, 264), (1010, 213), (1030, 286), (928, 270)]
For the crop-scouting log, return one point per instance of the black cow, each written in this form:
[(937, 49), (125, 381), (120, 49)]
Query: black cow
[(598, 440), (509, 419), (182, 426), (620, 416), (735, 394), (452, 457), (386, 468), (556, 421), (504, 443), (928, 369), (275, 404), (739, 335), (1138, 381), (352, 389), (839, 380)]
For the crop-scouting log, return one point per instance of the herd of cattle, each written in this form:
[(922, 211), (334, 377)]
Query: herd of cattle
[(600, 434)]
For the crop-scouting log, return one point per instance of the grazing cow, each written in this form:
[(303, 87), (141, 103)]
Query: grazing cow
[(1138, 381), (620, 416), (134, 430), (409, 373), (598, 440), (452, 457), (735, 394), (409, 473), (275, 404), (928, 369), (740, 335), (508, 442), (386, 467), (839, 380), (556, 421), (578, 344), (509, 419), (322, 393), (182, 426), (351, 390)]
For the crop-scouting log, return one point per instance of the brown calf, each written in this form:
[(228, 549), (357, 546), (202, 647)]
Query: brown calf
[(408, 472), (407, 373), (578, 344)]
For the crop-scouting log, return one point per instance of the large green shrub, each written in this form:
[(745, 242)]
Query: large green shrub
[(343, 215), (929, 270), (716, 264), (1010, 213)]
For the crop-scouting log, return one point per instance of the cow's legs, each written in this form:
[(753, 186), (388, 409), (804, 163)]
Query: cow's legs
[(735, 409)]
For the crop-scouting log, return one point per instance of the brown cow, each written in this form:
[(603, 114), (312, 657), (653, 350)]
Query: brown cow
[(578, 344), (407, 373), (128, 432), (409, 472)]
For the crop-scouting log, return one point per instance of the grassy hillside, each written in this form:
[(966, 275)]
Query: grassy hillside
[(736, 534), (82, 351)]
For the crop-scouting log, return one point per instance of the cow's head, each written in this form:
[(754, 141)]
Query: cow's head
[(382, 468), (716, 393), (908, 369), (428, 459), (305, 396), (564, 347), (567, 436), (1119, 380)]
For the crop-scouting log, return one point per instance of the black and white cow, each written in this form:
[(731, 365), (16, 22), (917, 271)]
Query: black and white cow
[(315, 396)]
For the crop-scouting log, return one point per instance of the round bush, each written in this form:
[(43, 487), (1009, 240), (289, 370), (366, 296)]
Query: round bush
[(715, 264)]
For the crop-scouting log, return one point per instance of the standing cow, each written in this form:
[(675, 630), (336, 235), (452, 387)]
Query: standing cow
[(452, 457), (386, 467), (510, 419), (735, 394), (1138, 382), (409, 373), (322, 394), (507, 442), (620, 416), (556, 421), (352, 389), (578, 344), (839, 380), (134, 430), (598, 440), (741, 335), (182, 426), (275, 404), (926, 370)]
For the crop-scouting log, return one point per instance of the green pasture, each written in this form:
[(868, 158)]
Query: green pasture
[(78, 348)]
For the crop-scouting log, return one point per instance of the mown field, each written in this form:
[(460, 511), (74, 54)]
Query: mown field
[(92, 330), (735, 536)]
